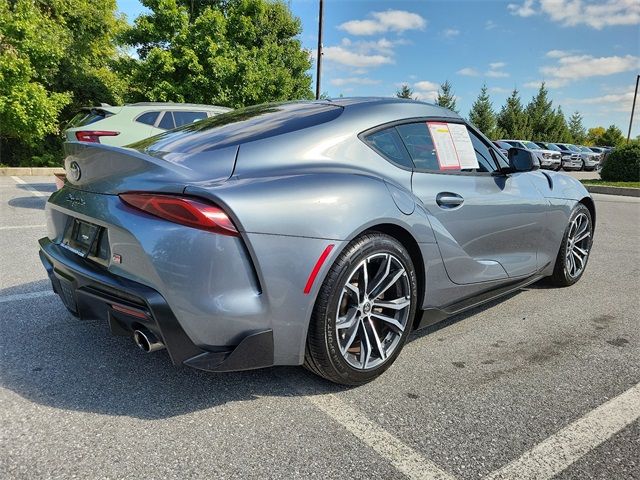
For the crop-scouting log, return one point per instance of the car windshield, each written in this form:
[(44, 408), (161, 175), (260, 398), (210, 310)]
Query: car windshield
[(241, 126), (573, 148), (531, 145), (551, 146), (586, 149)]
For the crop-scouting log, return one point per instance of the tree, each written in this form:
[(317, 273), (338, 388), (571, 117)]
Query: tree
[(576, 129), (558, 130), (404, 92), (612, 137), (541, 113), (594, 134), (482, 114), (231, 53), (446, 97), (512, 120), (55, 55)]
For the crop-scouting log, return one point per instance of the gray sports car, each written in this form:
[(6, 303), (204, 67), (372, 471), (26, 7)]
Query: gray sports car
[(317, 233)]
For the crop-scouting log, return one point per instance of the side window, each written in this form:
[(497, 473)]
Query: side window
[(167, 121), (417, 139), (148, 118), (483, 154), (182, 118), (388, 144)]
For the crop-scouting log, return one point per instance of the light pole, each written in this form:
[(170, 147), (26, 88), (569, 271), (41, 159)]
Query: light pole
[(319, 53), (633, 108)]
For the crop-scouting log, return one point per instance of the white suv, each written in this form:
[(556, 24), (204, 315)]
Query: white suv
[(129, 123), (549, 159)]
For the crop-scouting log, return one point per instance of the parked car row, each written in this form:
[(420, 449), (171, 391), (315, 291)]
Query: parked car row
[(554, 156)]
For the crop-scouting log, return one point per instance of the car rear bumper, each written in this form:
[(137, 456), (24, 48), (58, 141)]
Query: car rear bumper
[(91, 292)]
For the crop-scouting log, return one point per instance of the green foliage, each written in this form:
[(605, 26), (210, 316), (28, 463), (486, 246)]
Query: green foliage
[(576, 129), (404, 92), (542, 118), (231, 53), (55, 56), (513, 121), (622, 165), (611, 137), (558, 130), (593, 135), (446, 97), (482, 114)]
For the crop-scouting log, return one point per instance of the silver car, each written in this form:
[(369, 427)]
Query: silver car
[(591, 159), (549, 159), (317, 233)]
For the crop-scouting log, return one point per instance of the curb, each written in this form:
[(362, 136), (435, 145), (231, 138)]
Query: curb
[(624, 191), (29, 171)]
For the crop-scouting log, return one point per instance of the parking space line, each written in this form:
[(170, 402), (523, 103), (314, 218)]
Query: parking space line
[(26, 296), (18, 227), (30, 188), (565, 447), (404, 458)]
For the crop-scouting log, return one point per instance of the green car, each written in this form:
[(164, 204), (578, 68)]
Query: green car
[(129, 123)]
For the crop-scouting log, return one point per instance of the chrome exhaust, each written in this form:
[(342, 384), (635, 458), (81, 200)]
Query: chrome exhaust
[(147, 341)]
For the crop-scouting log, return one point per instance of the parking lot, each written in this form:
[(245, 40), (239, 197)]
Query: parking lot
[(543, 384)]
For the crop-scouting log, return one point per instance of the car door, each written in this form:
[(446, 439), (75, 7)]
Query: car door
[(487, 224)]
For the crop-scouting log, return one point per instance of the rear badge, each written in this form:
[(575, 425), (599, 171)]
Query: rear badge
[(116, 258), (74, 171)]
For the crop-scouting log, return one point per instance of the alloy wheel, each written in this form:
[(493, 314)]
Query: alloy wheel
[(373, 311), (578, 244)]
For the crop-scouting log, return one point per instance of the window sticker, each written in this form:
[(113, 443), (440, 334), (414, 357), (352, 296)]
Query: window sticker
[(443, 143), (453, 146), (464, 148)]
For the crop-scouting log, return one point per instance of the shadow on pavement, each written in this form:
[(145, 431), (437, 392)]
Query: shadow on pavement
[(36, 203), (54, 359)]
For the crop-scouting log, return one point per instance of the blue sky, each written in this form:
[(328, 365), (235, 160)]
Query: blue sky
[(587, 52)]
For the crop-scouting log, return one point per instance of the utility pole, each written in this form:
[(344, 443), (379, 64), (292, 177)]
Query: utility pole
[(319, 52), (633, 108)]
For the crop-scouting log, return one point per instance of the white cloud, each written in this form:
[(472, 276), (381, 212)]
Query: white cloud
[(468, 72), (557, 53), (595, 14), (524, 9), (352, 59), (338, 82), (495, 71), (383, 45), (390, 20), (426, 91), (620, 100), (451, 32), (577, 67), (499, 90), (490, 25)]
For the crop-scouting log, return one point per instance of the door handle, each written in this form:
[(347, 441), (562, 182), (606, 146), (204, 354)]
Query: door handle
[(449, 200)]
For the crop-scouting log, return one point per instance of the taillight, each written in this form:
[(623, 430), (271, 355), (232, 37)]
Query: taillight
[(94, 135), (183, 210)]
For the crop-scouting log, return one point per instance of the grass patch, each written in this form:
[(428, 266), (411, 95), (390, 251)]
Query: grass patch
[(604, 183)]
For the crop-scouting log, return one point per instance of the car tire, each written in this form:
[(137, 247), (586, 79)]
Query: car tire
[(570, 256), (348, 341), (581, 166)]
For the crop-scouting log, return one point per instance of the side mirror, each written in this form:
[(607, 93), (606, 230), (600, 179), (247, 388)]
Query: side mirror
[(521, 160)]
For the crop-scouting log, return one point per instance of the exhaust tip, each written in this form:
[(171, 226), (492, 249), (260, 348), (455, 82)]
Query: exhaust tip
[(147, 341)]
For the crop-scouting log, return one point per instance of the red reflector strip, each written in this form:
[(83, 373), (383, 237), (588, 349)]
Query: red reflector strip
[(316, 268), (129, 311)]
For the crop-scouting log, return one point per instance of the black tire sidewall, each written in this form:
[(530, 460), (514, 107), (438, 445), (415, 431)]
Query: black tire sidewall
[(561, 274)]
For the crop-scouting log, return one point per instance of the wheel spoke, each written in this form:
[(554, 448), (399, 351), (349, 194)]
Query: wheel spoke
[(365, 278), (382, 273), (397, 304), (350, 288), (388, 282), (392, 322), (376, 337), (348, 320), (350, 336), (583, 236), (365, 346), (579, 258), (572, 264), (580, 250)]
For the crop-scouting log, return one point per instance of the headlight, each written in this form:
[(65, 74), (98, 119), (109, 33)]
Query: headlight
[(546, 155)]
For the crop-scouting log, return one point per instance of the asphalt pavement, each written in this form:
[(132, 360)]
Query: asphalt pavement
[(542, 384)]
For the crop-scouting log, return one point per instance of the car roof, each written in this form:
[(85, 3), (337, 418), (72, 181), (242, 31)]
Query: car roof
[(178, 106), (410, 106)]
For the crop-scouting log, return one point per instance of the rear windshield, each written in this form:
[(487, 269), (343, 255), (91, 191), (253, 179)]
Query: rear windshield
[(241, 126), (88, 116)]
